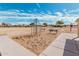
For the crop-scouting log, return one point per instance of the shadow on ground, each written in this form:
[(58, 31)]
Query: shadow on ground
[(71, 48)]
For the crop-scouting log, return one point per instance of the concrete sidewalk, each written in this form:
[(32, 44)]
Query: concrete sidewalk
[(8, 47), (64, 45)]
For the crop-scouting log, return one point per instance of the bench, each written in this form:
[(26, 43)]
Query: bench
[(53, 30)]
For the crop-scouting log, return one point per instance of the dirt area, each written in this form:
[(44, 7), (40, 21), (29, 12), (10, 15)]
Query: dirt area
[(36, 42), (67, 30)]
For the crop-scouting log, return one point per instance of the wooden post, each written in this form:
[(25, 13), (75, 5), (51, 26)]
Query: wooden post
[(36, 25), (78, 28), (71, 27)]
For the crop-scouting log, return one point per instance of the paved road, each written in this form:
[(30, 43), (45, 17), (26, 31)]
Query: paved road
[(8, 47)]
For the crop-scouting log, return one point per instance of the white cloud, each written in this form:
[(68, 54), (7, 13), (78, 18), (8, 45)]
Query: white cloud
[(72, 12), (7, 15), (23, 22), (71, 15), (16, 14), (59, 14)]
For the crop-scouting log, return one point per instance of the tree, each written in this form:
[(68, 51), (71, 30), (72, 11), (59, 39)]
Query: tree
[(60, 23), (32, 24), (45, 24), (6, 24), (77, 20), (3, 24)]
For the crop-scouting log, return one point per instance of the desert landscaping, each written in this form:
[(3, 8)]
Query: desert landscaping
[(35, 37), (32, 40)]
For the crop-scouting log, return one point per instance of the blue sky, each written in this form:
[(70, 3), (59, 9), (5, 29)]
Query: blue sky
[(25, 13)]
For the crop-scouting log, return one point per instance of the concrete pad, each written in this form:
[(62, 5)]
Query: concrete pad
[(8, 47), (62, 37), (58, 44), (53, 51), (67, 53), (71, 46), (68, 45), (77, 43), (67, 42)]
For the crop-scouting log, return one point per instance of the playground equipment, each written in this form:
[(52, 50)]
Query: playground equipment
[(36, 29)]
